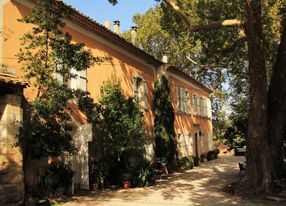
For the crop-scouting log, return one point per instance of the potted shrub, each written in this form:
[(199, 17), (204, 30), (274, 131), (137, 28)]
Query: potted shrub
[(210, 155), (203, 156), (126, 180), (216, 152), (196, 161), (185, 162), (147, 176)]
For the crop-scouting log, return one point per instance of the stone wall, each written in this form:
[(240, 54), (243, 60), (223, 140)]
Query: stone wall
[(11, 173)]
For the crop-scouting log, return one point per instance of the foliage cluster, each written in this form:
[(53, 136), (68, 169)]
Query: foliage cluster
[(58, 174), (47, 52), (120, 135)]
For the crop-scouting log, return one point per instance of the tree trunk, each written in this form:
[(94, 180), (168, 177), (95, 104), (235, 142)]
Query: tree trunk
[(277, 108), (258, 174)]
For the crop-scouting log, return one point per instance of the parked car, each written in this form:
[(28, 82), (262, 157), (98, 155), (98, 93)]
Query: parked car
[(240, 150)]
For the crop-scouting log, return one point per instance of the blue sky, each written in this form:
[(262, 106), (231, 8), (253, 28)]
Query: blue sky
[(101, 10)]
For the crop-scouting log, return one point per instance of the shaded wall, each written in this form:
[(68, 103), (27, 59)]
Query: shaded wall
[(11, 173)]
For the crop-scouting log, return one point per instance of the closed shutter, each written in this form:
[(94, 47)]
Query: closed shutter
[(194, 104), (145, 96), (189, 103)]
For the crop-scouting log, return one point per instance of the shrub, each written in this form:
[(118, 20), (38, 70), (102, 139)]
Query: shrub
[(147, 176), (58, 175)]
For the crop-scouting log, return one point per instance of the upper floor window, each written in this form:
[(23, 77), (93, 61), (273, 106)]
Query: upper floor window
[(183, 100), (79, 81), (140, 92)]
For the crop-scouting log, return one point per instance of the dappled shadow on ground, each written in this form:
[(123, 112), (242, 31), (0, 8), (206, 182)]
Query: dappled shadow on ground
[(200, 186)]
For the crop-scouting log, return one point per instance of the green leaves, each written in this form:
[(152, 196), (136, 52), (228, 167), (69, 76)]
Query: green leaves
[(48, 52), (120, 126), (164, 121)]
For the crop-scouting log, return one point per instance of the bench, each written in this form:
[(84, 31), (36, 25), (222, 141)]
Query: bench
[(242, 168)]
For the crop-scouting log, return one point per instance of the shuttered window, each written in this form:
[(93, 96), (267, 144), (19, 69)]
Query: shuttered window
[(194, 100), (204, 107), (79, 81), (140, 92), (198, 105)]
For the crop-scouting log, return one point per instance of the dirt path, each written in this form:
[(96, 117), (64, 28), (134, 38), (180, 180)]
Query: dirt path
[(199, 186)]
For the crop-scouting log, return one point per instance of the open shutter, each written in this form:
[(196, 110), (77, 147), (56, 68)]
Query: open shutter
[(181, 101), (135, 89), (209, 108), (205, 112), (74, 80), (145, 96), (177, 91), (82, 80)]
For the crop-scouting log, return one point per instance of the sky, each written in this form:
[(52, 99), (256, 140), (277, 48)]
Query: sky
[(102, 10)]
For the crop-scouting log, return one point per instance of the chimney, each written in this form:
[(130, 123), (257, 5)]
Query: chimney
[(134, 35), (116, 26), (165, 57), (107, 25)]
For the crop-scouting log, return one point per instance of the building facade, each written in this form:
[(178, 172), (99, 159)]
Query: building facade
[(136, 71)]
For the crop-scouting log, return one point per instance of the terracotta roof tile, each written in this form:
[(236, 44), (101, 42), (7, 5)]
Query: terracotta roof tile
[(12, 79)]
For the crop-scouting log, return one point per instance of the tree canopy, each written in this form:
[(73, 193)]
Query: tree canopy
[(244, 39)]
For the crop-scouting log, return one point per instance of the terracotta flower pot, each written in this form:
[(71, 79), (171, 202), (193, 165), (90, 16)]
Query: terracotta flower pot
[(126, 184)]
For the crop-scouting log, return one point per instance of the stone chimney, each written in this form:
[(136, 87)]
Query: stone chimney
[(116, 25), (107, 25), (134, 35), (165, 57)]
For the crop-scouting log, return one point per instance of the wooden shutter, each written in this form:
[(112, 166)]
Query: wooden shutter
[(135, 89), (189, 103), (145, 95), (194, 102), (209, 108), (177, 94), (181, 101), (205, 112)]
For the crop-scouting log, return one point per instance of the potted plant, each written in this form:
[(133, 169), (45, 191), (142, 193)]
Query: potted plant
[(196, 161), (203, 156), (210, 155), (191, 162), (126, 180)]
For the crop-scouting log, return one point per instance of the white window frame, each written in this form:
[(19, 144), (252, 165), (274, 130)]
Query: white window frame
[(138, 82), (75, 82)]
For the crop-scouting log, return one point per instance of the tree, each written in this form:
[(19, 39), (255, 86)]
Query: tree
[(261, 157), (265, 131), (48, 52), (119, 132), (165, 143)]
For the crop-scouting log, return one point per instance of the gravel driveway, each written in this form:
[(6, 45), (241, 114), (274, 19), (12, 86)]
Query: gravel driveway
[(199, 186)]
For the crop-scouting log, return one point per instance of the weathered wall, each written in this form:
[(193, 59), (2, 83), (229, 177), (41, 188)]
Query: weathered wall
[(11, 173)]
